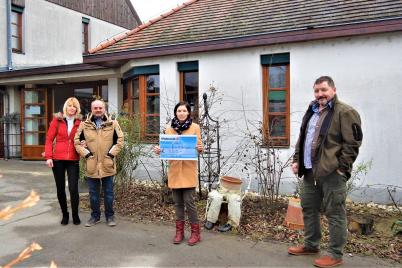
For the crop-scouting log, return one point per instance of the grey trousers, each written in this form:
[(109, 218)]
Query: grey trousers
[(185, 197), (330, 195)]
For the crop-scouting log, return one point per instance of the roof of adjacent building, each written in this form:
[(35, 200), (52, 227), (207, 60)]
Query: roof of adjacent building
[(118, 12), (198, 21)]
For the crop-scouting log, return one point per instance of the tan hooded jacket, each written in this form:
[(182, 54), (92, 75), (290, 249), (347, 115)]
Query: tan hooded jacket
[(103, 145)]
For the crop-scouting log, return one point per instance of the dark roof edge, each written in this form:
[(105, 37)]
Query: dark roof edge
[(304, 35), (50, 70), (132, 9)]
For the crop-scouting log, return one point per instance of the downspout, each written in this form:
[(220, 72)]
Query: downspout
[(4, 93), (7, 151), (9, 46)]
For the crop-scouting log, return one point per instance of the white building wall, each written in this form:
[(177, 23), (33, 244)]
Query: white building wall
[(3, 34), (367, 72), (115, 95), (52, 35)]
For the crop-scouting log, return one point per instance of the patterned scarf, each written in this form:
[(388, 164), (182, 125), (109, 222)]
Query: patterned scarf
[(180, 127)]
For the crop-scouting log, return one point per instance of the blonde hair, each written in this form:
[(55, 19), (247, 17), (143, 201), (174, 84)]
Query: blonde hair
[(75, 103)]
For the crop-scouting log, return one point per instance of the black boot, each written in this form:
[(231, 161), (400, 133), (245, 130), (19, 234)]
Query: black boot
[(76, 219), (65, 219)]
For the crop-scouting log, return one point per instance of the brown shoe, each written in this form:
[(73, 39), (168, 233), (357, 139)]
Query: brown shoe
[(327, 261), (302, 250)]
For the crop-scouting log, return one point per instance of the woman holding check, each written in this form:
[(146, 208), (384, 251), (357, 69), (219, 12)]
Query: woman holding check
[(183, 175)]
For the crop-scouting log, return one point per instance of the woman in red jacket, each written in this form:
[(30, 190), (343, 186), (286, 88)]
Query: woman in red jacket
[(60, 155)]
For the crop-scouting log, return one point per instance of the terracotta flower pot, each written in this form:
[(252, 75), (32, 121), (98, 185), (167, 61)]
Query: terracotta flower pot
[(294, 215), (231, 183)]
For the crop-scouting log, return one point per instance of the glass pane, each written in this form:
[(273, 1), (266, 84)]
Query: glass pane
[(34, 110), (83, 92), (34, 97), (34, 124), (277, 101), (153, 105), (277, 126), (136, 106), (104, 92), (85, 97), (191, 81), (191, 89), (34, 138), (277, 76), (152, 125), (60, 95), (125, 91), (153, 83), (136, 88)]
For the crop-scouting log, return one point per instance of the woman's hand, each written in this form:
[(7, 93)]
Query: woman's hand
[(157, 150), (84, 144), (199, 148), (49, 163)]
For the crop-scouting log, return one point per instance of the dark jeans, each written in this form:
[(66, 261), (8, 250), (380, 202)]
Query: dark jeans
[(330, 195), (59, 172), (185, 197), (94, 196)]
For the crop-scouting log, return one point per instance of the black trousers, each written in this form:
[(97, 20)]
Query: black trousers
[(59, 171), (185, 198)]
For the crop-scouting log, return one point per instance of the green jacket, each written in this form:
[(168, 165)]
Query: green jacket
[(103, 145), (338, 142)]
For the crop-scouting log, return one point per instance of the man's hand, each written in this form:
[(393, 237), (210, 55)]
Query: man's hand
[(49, 163), (295, 168)]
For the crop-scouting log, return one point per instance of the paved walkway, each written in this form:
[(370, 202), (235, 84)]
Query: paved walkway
[(128, 244)]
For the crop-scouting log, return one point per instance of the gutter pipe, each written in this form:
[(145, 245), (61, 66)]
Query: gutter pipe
[(9, 46)]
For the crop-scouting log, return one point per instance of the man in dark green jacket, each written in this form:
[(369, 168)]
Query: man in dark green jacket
[(328, 144)]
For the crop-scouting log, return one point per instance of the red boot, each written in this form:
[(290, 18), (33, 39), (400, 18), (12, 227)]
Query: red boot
[(179, 232), (195, 234)]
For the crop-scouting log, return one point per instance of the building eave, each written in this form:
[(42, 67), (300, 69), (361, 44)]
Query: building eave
[(57, 74), (49, 70)]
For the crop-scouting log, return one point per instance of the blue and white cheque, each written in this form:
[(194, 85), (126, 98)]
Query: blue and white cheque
[(178, 147)]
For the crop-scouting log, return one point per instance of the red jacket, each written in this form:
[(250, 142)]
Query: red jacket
[(64, 146)]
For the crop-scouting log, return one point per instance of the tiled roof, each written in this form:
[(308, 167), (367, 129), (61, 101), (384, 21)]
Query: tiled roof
[(205, 20)]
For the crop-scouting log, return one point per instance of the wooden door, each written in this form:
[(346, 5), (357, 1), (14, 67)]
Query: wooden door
[(33, 123)]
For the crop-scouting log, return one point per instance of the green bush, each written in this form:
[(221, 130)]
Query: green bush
[(127, 160)]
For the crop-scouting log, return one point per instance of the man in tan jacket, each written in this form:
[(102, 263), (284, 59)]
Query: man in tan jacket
[(99, 139)]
